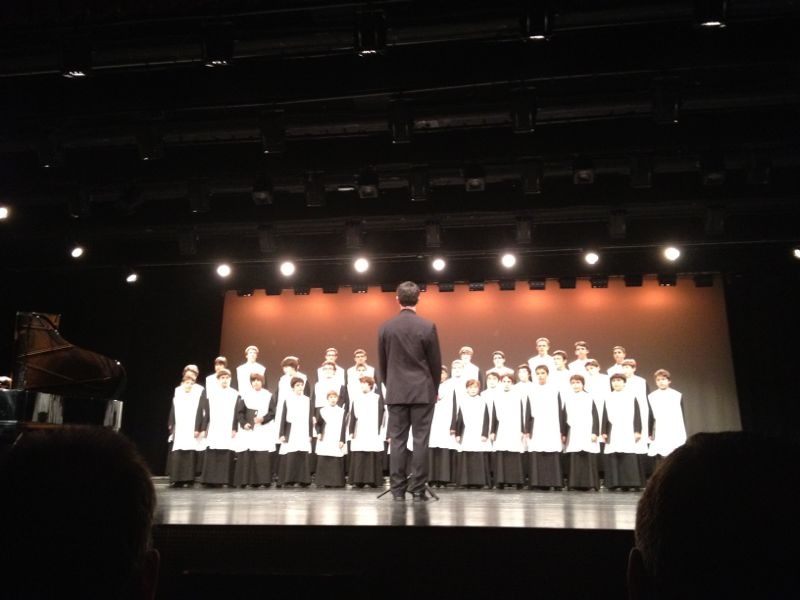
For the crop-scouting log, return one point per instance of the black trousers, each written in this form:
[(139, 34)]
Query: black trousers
[(401, 417)]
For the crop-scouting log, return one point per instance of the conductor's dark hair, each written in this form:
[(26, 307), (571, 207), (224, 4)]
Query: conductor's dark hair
[(408, 293), (712, 524), (77, 504)]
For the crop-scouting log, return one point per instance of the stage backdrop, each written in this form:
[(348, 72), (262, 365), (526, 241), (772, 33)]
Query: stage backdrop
[(683, 329)]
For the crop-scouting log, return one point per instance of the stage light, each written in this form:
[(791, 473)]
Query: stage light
[(263, 190), (272, 129), (245, 293), (149, 143), (199, 198), (667, 279), (361, 265), (524, 231), (302, 290), (132, 277), (535, 21), (523, 110), (617, 225), (703, 280), (368, 184), (315, 190), (224, 270), (583, 171), (433, 234), (273, 290), (48, 152), (330, 289), (567, 283), (474, 178), (599, 281), (672, 253), (537, 284), (507, 285), (446, 286), (418, 184), (389, 287), (187, 242), (400, 122), (423, 287), (79, 204), (76, 252), (76, 59), (711, 14), (217, 49), (476, 286), (634, 280), (287, 268), (4, 212), (666, 101), (370, 33), (591, 258), (359, 288), (508, 260), (438, 264)]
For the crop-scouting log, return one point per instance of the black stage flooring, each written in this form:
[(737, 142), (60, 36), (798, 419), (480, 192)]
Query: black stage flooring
[(232, 543)]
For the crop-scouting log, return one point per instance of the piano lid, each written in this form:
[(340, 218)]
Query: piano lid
[(46, 362)]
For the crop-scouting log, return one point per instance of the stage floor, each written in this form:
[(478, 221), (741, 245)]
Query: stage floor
[(352, 507)]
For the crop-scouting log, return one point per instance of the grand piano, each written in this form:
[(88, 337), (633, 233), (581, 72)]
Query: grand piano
[(56, 382)]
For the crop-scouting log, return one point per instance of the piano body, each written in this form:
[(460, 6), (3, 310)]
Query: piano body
[(57, 382)]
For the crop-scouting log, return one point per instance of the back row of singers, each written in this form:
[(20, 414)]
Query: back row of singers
[(230, 437)]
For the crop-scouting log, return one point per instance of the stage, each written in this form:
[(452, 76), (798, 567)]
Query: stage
[(223, 542)]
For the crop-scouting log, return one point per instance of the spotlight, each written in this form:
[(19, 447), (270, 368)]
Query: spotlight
[(76, 252), (273, 290), (418, 184), (641, 172), (272, 129), (703, 280), (474, 178), (217, 49), (535, 22), (433, 234), (666, 101), (476, 286), (149, 143), (537, 284), (583, 171), (711, 14), (76, 59), (330, 289), (796, 252), (591, 257), (523, 110), (302, 290), (315, 190), (245, 293), (263, 190), (359, 288), (672, 253), (634, 280), (353, 235), (4, 212), (79, 204), (617, 225), (508, 260), (132, 277), (438, 264), (599, 281), (48, 152), (400, 122), (567, 283), (361, 265), (423, 287), (368, 184), (389, 287), (287, 268), (224, 270), (667, 279), (446, 286), (370, 33), (507, 285)]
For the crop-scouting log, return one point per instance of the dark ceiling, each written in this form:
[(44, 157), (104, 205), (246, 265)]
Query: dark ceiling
[(629, 126)]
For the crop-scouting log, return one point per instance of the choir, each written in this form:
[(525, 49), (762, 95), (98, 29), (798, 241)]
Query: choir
[(552, 424)]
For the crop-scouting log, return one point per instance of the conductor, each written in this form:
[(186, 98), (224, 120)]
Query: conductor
[(409, 365)]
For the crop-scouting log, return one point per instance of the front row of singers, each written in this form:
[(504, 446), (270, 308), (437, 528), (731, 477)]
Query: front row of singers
[(512, 435)]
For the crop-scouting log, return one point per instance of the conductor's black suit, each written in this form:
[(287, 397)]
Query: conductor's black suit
[(410, 366)]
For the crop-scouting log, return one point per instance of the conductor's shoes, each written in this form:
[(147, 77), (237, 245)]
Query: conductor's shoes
[(420, 497), (399, 497)]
